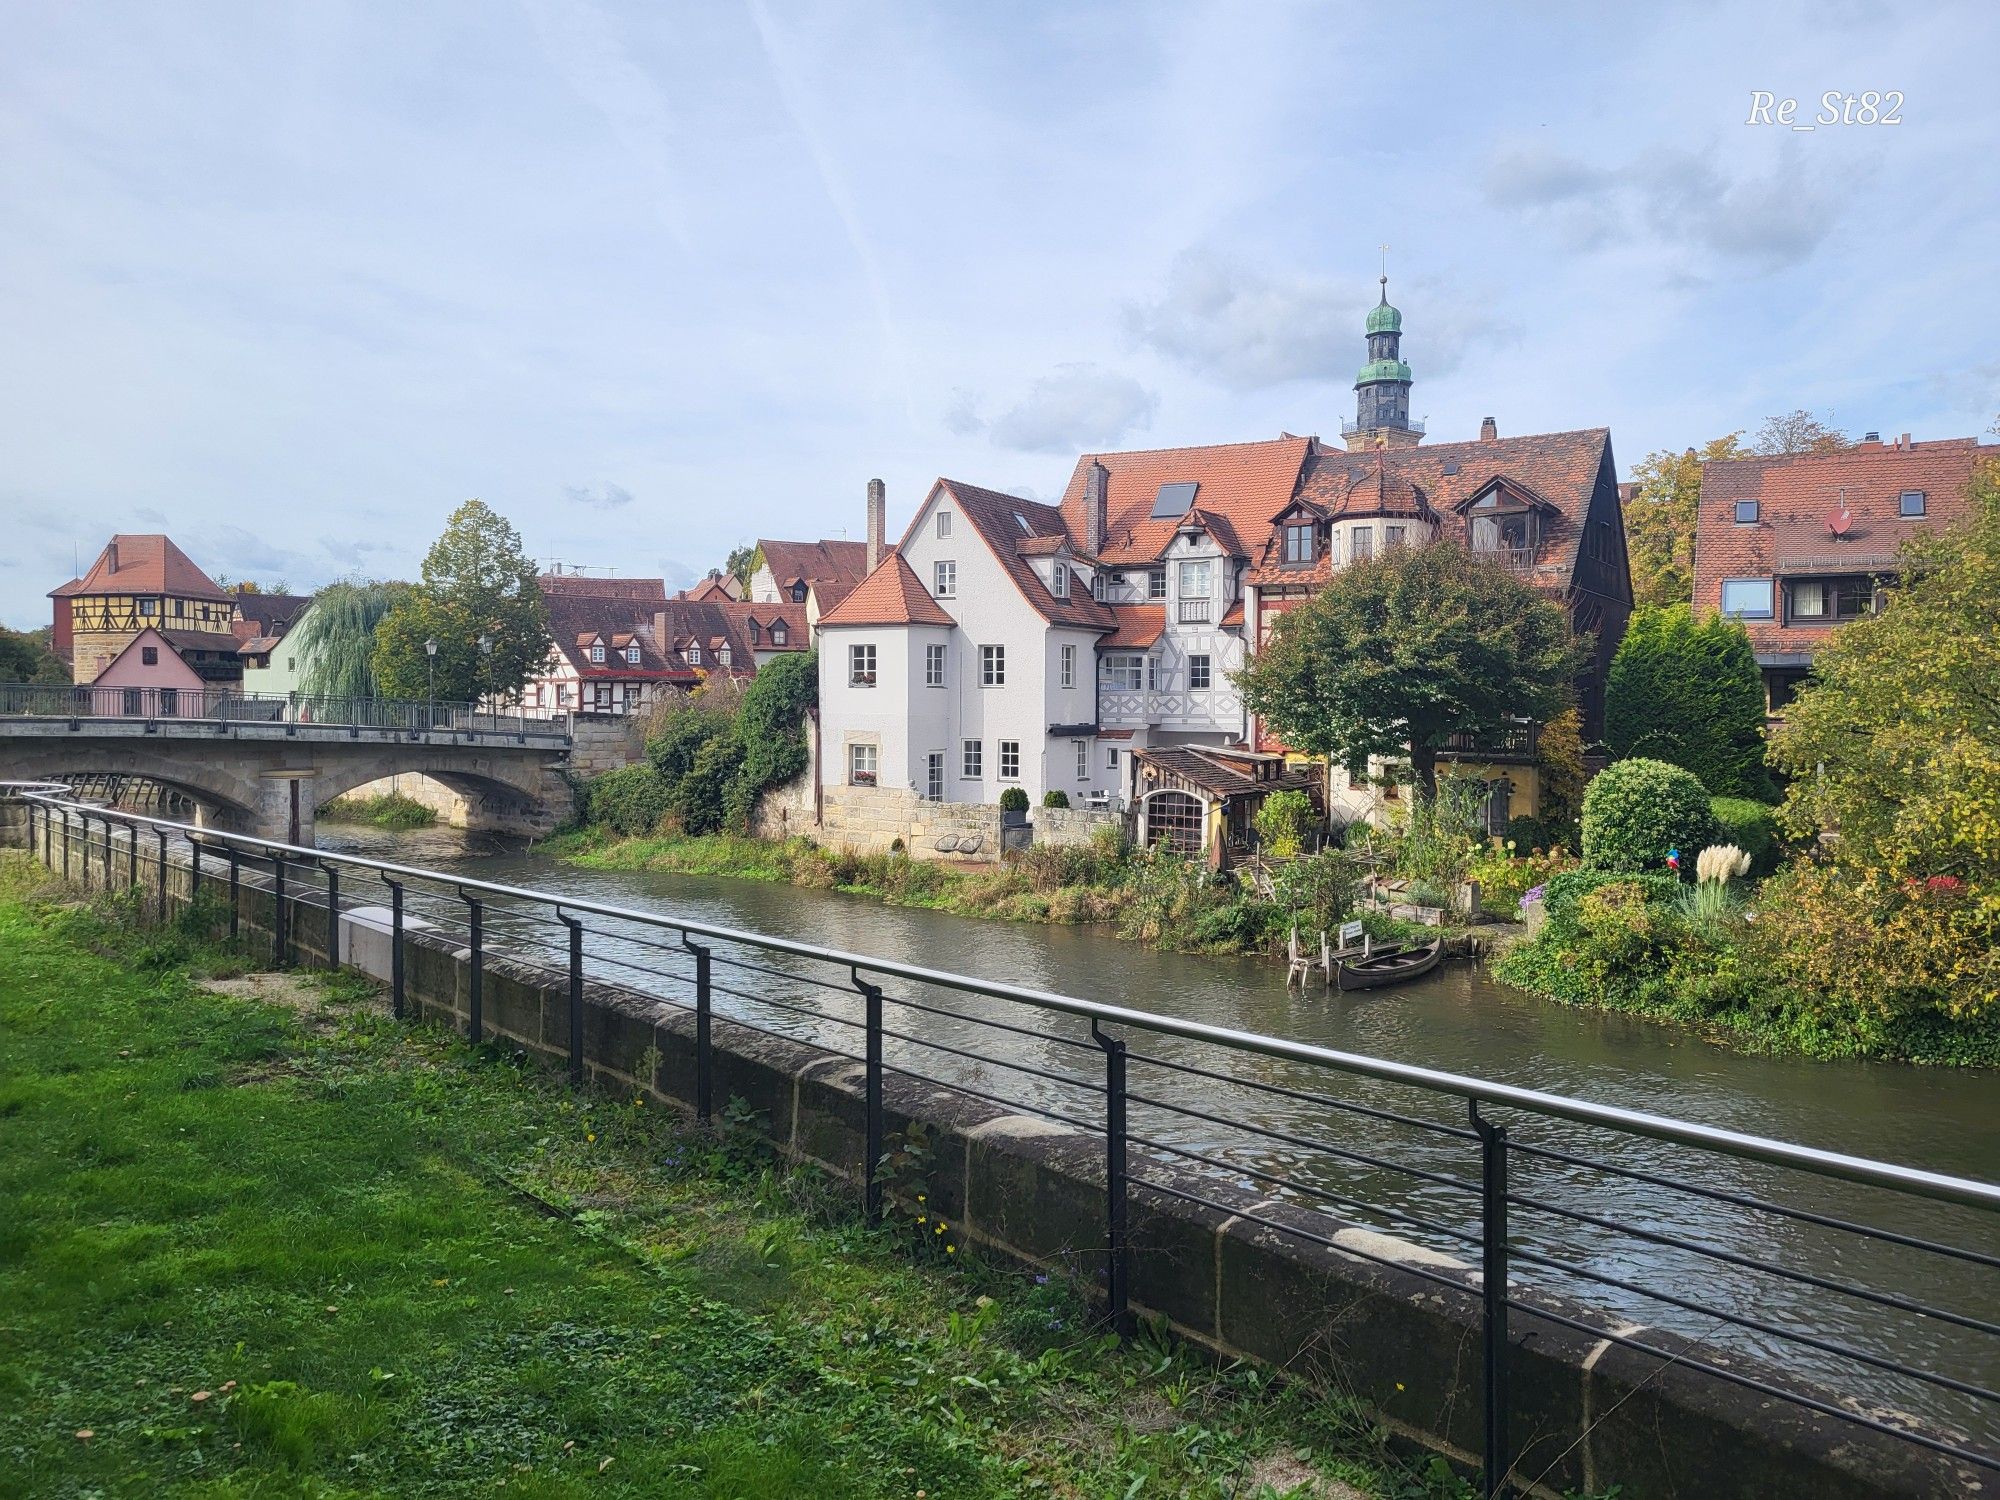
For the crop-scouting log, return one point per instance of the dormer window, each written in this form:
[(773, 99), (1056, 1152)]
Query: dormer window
[(722, 656), (694, 656), (597, 653), (798, 593), (1502, 523), (777, 635), (1059, 580), (1301, 543), (631, 656)]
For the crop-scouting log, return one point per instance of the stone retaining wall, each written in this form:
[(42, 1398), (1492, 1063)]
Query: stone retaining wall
[(872, 819), (1251, 1277)]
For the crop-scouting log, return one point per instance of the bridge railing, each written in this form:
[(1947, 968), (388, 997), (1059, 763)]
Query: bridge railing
[(1858, 1297), (222, 705)]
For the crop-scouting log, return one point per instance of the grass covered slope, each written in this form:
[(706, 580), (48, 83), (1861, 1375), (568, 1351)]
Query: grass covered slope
[(256, 1249)]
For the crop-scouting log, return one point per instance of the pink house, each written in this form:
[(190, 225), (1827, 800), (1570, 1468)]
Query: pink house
[(153, 679)]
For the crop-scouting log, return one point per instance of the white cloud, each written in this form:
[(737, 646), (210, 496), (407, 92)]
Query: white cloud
[(604, 497), (1248, 328), (1076, 406)]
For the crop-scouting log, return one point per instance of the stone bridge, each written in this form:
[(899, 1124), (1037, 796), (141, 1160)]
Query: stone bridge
[(268, 778)]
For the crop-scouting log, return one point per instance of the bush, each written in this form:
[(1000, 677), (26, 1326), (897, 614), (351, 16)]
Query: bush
[(1547, 833), (1751, 827), (1563, 893), (701, 798), (1055, 797), (1689, 693), (1284, 823), (1637, 810), (1014, 799), (1316, 890), (631, 801)]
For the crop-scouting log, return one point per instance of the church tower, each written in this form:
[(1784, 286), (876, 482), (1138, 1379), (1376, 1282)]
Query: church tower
[(1382, 390)]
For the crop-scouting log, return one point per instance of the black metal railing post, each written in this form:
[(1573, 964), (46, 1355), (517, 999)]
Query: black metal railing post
[(475, 1014), (65, 844), (277, 911), (872, 1143), (107, 856), (194, 870), (704, 1054), (1493, 1293), (332, 915), (131, 856), (162, 834), (395, 946), (1117, 1292), (235, 894), (575, 925)]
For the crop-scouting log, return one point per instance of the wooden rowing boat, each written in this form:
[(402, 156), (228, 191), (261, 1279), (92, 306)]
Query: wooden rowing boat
[(1387, 966)]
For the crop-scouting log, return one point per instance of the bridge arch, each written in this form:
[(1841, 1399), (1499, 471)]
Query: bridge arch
[(222, 799)]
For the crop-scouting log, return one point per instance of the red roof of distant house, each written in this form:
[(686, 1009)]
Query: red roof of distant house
[(715, 586), (1799, 496), (891, 595), (833, 569), (761, 620), (1245, 484), (583, 586), (146, 563)]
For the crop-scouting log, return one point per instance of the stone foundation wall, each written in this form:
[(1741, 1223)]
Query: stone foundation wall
[(1388, 1323), (605, 742), (871, 819)]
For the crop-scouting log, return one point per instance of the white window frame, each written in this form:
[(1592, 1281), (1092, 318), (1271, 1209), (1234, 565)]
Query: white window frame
[(1009, 750), (1110, 757), (1196, 585), (597, 654), (943, 524), (992, 666), (1199, 665), (1059, 579), (1066, 659), (1156, 583), (1360, 543), (1083, 760), (1740, 584), (723, 656), (1123, 670), (863, 664), (778, 635), (858, 752), (972, 760), (944, 579), (631, 656), (934, 656), (694, 656)]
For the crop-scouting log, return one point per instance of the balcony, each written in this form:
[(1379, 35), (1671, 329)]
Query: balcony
[(1194, 611), (1351, 429), (1513, 559), (1505, 741)]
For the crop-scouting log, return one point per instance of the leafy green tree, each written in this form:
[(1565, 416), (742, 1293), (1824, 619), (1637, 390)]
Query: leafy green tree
[(1798, 432), (1660, 516), (25, 657), (1689, 692), (477, 582), (743, 561), (335, 638), (1396, 655), (1640, 812)]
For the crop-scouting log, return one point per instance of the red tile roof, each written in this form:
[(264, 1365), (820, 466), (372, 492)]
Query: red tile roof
[(1003, 521), (1139, 626), (832, 568), (583, 586), (715, 586), (759, 618), (1244, 483), (576, 620), (1799, 495), (891, 595), (146, 563), (1559, 468)]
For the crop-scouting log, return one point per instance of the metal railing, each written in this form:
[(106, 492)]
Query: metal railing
[(223, 707), (1793, 1274)]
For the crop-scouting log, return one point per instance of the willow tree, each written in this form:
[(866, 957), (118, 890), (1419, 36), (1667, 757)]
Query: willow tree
[(335, 638)]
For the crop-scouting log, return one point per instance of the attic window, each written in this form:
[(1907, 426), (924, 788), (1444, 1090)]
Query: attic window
[(631, 656), (1059, 579), (777, 635), (1910, 504), (1746, 512), (1449, 469), (1022, 522), (722, 656), (1174, 500), (694, 656), (597, 653), (798, 593)]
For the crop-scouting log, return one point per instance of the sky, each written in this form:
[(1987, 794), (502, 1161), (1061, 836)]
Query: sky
[(290, 282)]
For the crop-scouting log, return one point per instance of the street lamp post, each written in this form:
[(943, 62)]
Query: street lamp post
[(431, 655), (486, 673)]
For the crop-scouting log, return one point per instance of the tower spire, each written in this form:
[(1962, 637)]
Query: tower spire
[(1382, 390)]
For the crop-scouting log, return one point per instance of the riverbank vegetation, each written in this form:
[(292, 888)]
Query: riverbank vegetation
[(315, 1252), (389, 810), (1878, 931)]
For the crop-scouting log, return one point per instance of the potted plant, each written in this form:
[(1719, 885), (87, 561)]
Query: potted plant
[(1013, 807)]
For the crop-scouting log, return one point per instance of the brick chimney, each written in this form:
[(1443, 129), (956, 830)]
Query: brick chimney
[(111, 556), (1489, 430), (877, 504), (1095, 479)]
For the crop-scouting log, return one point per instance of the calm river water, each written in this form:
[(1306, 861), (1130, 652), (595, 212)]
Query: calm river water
[(1461, 1020)]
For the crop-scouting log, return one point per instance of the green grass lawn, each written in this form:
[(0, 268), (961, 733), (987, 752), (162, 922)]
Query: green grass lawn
[(258, 1249)]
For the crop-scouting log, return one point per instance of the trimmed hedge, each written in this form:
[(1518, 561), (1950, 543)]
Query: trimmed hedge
[(1562, 893), (1638, 810), (1751, 827), (1055, 797), (1014, 799), (1689, 692)]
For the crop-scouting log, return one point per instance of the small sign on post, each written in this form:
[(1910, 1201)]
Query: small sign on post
[(1350, 934)]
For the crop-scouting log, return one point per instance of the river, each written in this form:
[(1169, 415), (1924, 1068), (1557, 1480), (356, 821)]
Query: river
[(1461, 1020)]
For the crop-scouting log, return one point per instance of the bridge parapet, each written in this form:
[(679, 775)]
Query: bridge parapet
[(224, 710)]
